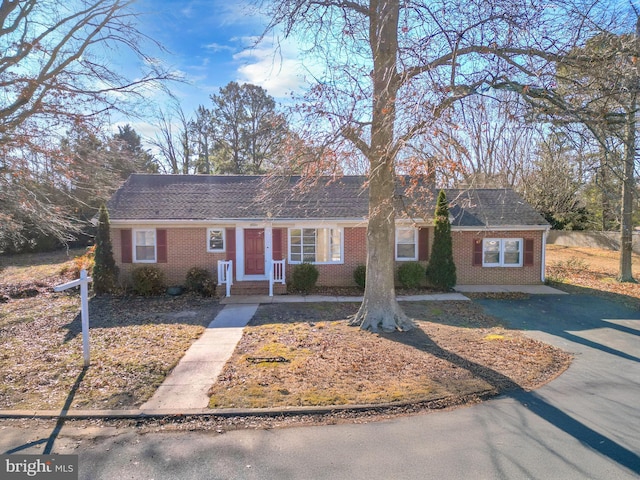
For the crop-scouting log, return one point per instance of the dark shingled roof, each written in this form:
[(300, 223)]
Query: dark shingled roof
[(213, 197), (491, 207)]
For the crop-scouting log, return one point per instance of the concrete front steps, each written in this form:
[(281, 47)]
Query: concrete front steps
[(251, 288)]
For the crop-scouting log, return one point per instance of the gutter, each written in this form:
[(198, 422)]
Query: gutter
[(499, 228), (228, 221)]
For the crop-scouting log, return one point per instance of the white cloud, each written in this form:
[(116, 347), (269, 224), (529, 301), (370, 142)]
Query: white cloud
[(218, 47), (146, 130), (277, 70), (238, 12)]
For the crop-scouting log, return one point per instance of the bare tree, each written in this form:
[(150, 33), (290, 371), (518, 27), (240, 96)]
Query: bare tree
[(489, 139), (597, 86), (173, 141), (553, 185), (201, 129), (55, 73), (393, 69)]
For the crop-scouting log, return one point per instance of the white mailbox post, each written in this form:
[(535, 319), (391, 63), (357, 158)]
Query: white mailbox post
[(83, 282)]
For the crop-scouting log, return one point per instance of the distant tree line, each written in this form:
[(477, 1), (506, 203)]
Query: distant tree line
[(57, 90), (241, 132), (73, 179)]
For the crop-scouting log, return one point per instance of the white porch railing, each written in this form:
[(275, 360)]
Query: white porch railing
[(276, 274), (225, 274)]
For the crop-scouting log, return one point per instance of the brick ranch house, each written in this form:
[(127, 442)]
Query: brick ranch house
[(176, 222)]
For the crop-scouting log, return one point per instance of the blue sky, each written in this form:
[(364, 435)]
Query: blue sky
[(210, 43)]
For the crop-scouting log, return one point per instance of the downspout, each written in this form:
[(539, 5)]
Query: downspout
[(544, 255)]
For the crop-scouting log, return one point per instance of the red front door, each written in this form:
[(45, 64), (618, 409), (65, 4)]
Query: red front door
[(254, 251)]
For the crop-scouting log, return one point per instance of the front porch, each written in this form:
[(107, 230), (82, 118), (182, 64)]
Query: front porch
[(273, 283)]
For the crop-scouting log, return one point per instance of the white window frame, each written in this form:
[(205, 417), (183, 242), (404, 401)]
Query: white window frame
[(501, 251), (308, 227), (415, 244), (224, 240), (134, 243)]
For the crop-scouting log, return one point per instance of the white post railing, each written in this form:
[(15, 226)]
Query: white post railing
[(276, 274), (83, 281), (279, 274), (225, 274), (271, 278)]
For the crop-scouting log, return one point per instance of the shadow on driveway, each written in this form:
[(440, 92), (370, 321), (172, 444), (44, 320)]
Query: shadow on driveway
[(604, 335), (565, 317)]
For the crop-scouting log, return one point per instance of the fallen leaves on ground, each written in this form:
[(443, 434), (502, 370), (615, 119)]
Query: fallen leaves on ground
[(594, 271), (134, 343), (456, 351)]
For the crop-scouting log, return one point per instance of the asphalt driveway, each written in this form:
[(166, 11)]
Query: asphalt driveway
[(597, 401), (583, 425)]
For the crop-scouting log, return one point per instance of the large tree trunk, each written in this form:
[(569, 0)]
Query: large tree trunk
[(380, 309), (628, 176), (628, 187)]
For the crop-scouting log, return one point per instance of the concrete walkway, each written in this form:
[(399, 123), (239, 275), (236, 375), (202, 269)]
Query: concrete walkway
[(185, 390), (531, 289), (458, 295), (241, 299), (186, 387)]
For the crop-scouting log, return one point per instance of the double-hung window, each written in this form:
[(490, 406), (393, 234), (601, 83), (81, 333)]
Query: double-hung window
[(215, 239), (502, 252), (315, 245), (406, 244), (144, 246)]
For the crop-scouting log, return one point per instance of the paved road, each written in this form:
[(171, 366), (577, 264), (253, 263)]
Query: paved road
[(583, 425)]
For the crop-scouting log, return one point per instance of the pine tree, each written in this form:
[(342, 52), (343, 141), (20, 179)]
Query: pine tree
[(105, 271), (441, 271)]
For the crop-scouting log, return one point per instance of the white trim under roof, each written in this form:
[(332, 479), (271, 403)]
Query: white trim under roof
[(287, 222), (231, 222), (505, 228)]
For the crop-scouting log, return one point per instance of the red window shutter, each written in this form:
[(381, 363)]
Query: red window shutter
[(230, 240), (528, 252), (277, 243), (423, 244), (161, 245), (125, 245), (477, 252), (230, 245)]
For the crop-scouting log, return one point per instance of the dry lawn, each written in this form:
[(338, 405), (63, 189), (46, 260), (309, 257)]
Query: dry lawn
[(457, 353), (134, 342), (35, 268), (305, 354), (591, 270)]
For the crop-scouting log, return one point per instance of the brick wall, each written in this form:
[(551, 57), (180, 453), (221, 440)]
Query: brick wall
[(355, 253), (468, 274), (187, 248)]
